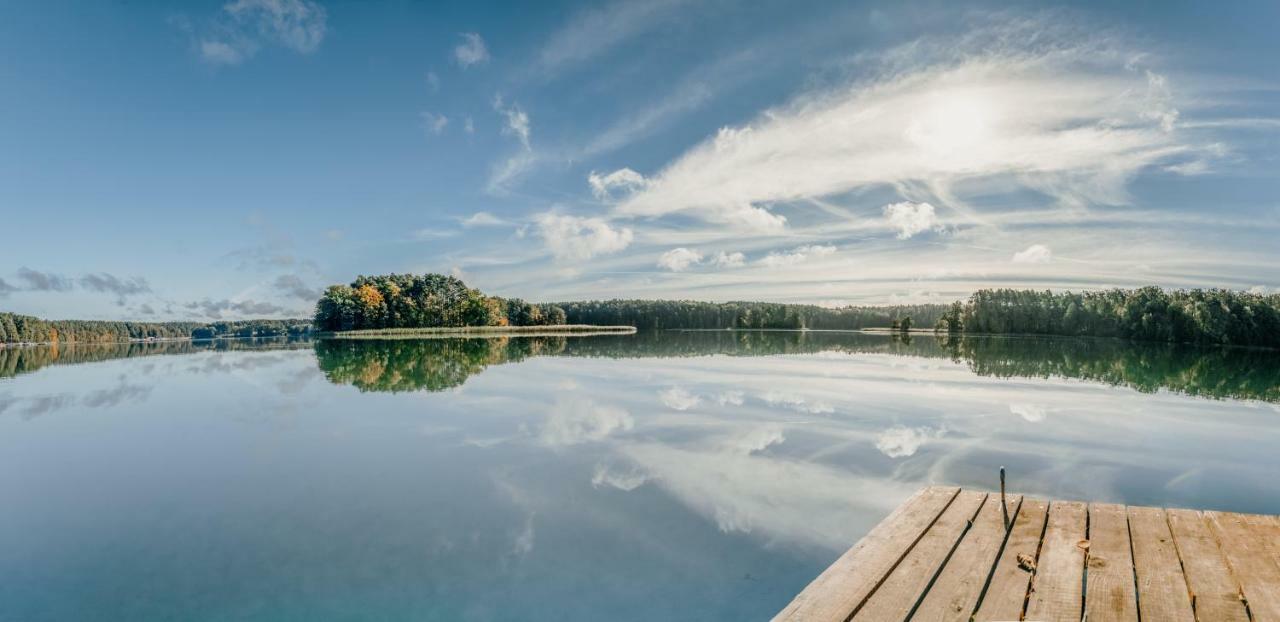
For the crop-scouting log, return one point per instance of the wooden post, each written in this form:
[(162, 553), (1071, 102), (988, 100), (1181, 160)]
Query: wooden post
[(1003, 508)]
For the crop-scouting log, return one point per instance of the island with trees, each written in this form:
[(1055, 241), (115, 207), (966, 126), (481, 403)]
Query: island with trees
[(434, 304)]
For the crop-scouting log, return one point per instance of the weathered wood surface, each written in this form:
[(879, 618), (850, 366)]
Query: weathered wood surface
[(1157, 569), (954, 594), (844, 586), (1110, 594), (1214, 589), (1006, 594), (1057, 587), (897, 595), (948, 555)]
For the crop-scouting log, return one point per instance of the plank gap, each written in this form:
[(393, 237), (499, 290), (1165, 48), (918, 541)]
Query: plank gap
[(1031, 582), (1137, 592), (908, 550), (1008, 531), (955, 545)]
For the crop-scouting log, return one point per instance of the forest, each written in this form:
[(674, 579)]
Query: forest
[(689, 314), (434, 300), (423, 301), (16, 328), (1204, 317)]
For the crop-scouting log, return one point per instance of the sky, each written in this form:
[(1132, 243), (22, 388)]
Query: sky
[(224, 160)]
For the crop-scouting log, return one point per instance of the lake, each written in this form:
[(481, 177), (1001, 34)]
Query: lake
[(662, 475)]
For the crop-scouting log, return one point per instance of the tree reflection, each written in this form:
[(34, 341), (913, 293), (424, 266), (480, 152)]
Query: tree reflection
[(438, 364), (18, 360)]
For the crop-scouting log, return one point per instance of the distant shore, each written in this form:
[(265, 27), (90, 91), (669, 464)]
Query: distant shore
[(479, 331)]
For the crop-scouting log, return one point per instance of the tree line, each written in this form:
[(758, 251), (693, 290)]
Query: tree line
[(423, 301), (690, 314), (15, 328), (1205, 317)]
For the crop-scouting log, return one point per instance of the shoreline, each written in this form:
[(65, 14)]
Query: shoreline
[(579, 330)]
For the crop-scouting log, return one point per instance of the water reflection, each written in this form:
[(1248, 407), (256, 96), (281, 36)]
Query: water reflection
[(18, 360), (656, 476), (439, 364)]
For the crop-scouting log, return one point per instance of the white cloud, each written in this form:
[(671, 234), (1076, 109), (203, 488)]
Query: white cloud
[(677, 398), (428, 233), (1029, 104), (248, 25), (576, 420), (434, 123), (523, 542), (758, 439), (221, 53), (516, 121), (796, 255), (729, 260), (910, 218), (1036, 253), (626, 481), (901, 441), (624, 180), (433, 81), (469, 126), (483, 219), (731, 398), (679, 259), (579, 238), (797, 403), (1033, 413), (471, 51), (510, 170)]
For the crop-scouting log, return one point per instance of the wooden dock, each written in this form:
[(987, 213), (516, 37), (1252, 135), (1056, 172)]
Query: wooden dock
[(946, 554)]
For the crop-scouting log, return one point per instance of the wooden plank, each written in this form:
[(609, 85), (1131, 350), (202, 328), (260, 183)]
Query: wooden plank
[(1268, 529), (1215, 592), (1006, 593), (1110, 595), (954, 594), (1252, 561), (1162, 588), (1058, 583), (902, 589), (846, 584)]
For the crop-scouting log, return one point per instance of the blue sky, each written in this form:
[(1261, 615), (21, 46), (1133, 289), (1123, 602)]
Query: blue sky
[(229, 159)]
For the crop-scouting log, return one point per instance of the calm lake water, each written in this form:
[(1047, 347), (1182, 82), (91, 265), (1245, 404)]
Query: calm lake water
[(669, 475)]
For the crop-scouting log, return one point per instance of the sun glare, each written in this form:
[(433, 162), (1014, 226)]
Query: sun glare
[(949, 124)]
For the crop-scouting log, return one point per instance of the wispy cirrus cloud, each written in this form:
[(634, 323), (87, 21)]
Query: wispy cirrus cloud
[(592, 32), (516, 123), (244, 27), (1068, 115)]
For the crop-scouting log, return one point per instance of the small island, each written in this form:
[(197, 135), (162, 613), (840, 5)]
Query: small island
[(410, 305)]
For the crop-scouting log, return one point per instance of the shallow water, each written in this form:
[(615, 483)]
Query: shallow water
[(673, 475)]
